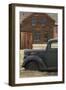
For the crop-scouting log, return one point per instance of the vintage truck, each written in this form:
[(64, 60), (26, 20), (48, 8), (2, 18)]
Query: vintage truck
[(42, 59)]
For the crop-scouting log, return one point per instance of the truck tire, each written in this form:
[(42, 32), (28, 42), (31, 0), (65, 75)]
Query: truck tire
[(32, 66)]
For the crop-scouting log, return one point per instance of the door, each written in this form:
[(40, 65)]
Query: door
[(26, 40), (52, 56)]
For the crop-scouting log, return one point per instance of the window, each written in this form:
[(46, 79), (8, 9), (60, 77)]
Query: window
[(43, 21), (54, 45), (36, 37), (33, 21)]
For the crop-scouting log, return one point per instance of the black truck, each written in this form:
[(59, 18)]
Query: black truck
[(42, 59)]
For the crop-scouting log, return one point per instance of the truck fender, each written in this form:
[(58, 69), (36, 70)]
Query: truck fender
[(37, 59)]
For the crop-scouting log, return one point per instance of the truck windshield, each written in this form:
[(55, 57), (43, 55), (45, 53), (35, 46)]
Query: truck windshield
[(54, 45)]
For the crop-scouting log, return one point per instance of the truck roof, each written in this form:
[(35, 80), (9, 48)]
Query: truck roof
[(53, 39)]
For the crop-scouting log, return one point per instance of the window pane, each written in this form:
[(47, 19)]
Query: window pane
[(43, 21), (33, 21), (36, 37), (54, 45)]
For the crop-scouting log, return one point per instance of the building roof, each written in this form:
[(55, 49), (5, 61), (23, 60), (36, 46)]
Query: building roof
[(24, 15)]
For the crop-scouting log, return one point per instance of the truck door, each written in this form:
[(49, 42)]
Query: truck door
[(52, 55)]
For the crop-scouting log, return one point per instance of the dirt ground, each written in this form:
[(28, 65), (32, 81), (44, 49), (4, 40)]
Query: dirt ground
[(28, 73)]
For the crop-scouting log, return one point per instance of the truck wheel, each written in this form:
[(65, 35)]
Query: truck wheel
[(32, 66)]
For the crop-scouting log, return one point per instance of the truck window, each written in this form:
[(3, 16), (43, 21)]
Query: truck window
[(54, 45)]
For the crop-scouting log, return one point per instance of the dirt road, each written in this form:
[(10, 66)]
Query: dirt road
[(28, 73)]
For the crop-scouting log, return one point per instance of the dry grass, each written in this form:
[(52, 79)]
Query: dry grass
[(21, 56), (28, 73)]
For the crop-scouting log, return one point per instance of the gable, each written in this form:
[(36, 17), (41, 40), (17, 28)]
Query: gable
[(36, 20)]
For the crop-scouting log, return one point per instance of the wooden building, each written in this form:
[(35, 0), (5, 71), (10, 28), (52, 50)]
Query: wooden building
[(37, 28)]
